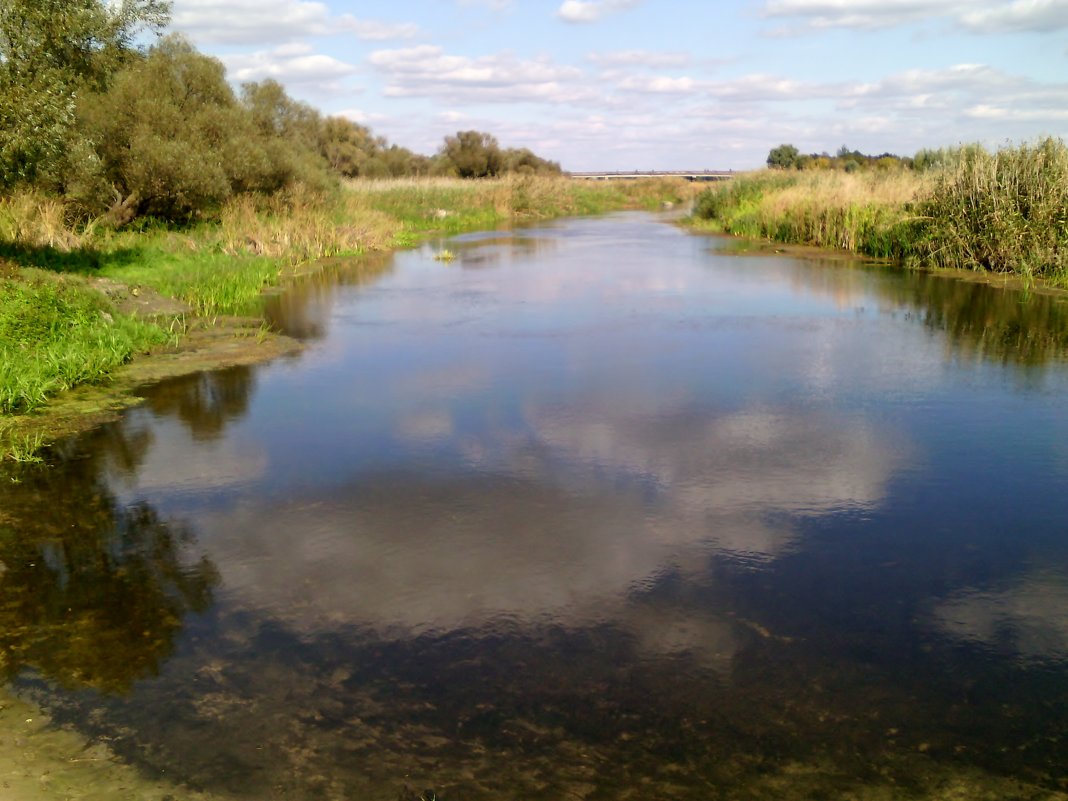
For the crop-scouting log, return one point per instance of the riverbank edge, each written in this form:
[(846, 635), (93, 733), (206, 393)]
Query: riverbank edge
[(757, 246), (214, 342)]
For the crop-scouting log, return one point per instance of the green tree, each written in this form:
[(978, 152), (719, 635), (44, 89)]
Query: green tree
[(49, 51), (472, 154), (525, 162), (170, 140), (293, 134), (347, 146), (784, 157)]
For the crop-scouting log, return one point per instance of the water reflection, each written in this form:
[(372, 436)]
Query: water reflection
[(590, 513), (205, 402), (978, 320), (92, 593), (523, 535), (303, 310), (1027, 619)]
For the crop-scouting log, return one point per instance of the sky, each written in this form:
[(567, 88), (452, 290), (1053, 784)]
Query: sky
[(659, 84)]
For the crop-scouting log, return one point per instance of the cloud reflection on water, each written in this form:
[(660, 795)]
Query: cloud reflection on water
[(568, 524), (1028, 619)]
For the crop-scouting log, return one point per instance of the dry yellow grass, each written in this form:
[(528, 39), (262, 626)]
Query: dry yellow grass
[(34, 220)]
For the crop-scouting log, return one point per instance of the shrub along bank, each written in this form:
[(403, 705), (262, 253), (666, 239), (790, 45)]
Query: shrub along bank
[(1004, 211)]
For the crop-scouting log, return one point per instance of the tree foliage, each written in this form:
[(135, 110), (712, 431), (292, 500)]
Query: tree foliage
[(122, 132), (472, 154), (783, 157), (786, 157), (49, 50)]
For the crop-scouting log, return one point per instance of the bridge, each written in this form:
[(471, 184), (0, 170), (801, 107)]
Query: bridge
[(689, 175)]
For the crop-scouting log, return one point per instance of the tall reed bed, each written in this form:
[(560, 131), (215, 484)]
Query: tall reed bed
[(1003, 211), (865, 213)]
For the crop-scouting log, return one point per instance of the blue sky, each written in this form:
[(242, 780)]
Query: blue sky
[(659, 84)]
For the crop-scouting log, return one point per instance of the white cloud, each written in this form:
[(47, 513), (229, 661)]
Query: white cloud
[(372, 30), (289, 64), (981, 16), (427, 71), (359, 116), (659, 84), (271, 21), (1040, 16), (640, 58), (591, 10), (859, 13)]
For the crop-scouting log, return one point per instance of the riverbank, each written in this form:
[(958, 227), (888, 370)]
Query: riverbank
[(103, 312), (1000, 213)]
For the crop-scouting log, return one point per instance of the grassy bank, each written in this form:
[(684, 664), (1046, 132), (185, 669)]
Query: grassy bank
[(58, 329), (1002, 212), (867, 213), (57, 334)]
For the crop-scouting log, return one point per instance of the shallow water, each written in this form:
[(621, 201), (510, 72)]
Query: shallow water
[(599, 510)]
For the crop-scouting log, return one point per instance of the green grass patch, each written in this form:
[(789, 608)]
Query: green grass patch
[(57, 333)]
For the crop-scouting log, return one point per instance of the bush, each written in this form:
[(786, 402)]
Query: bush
[(170, 140)]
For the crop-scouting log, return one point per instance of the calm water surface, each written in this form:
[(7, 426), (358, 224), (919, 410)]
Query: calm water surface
[(599, 510)]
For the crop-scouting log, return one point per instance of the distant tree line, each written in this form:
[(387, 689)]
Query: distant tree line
[(123, 132), (788, 157)]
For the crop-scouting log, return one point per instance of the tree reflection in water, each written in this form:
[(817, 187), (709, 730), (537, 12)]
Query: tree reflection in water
[(94, 598), (206, 402)]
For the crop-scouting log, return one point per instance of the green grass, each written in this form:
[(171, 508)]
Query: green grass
[(25, 449), (211, 283), (58, 333)]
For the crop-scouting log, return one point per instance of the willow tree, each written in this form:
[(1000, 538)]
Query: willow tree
[(49, 51)]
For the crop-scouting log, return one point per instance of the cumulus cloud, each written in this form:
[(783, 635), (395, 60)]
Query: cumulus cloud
[(428, 71), (1040, 16), (659, 84), (273, 21), (591, 10), (292, 64), (981, 16)]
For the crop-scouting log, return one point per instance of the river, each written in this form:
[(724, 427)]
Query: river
[(600, 509)]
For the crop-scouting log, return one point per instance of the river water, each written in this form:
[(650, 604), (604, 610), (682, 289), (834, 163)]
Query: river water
[(600, 509)]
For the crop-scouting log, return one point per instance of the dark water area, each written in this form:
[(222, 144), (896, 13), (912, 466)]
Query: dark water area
[(598, 510)]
